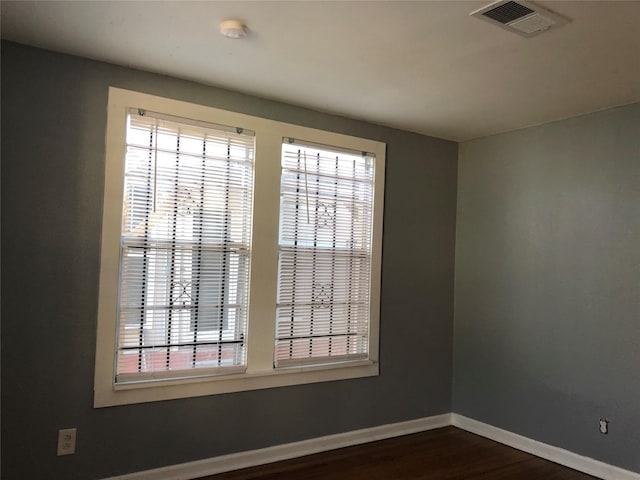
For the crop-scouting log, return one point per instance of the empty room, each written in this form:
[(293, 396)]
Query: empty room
[(320, 240)]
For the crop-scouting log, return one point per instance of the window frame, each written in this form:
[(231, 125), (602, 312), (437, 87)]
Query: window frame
[(264, 250)]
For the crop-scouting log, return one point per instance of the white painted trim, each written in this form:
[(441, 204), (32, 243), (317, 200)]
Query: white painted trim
[(555, 454), (234, 461), (260, 372)]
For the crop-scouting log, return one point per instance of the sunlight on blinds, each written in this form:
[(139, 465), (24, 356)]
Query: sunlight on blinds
[(326, 216), (186, 229)]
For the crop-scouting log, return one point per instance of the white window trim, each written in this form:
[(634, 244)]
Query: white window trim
[(264, 258)]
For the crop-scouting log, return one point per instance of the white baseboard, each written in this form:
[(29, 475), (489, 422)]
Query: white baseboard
[(234, 461), (548, 452)]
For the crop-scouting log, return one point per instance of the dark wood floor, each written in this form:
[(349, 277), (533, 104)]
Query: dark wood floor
[(443, 454)]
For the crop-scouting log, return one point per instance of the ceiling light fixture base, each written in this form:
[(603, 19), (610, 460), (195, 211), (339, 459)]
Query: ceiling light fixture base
[(233, 29)]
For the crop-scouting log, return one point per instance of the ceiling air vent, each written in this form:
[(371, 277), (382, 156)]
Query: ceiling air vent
[(524, 18)]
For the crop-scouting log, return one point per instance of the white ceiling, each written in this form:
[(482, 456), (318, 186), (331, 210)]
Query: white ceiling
[(423, 66)]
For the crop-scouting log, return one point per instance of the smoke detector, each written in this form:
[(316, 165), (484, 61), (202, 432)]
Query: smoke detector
[(523, 18), (233, 29)]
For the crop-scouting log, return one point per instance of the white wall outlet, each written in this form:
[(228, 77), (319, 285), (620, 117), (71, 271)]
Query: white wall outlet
[(66, 441), (604, 426)]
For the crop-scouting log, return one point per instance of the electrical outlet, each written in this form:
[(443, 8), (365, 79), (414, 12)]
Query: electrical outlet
[(604, 426), (66, 441)]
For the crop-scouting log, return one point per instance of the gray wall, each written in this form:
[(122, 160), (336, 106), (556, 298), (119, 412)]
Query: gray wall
[(53, 126), (547, 296)]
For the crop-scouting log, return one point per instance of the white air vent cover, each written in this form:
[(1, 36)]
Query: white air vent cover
[(522, 17)]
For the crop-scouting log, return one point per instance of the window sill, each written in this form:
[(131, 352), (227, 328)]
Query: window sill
[(152, 391)]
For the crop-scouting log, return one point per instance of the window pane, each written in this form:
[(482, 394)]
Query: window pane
[(184, 247), (326, 208)]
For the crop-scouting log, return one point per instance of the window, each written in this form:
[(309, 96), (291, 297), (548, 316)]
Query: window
[(184, 248), (237, 253), (326, 199)]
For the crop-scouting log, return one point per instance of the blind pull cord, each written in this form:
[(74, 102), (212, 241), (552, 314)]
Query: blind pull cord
[(306, 186), (155, 166)]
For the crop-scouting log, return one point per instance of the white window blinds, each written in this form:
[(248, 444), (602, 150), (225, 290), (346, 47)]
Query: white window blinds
[(326, 216), (184, 248)]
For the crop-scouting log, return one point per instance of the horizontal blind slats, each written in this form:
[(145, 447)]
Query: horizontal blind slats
[(187, 200), (324, 263)]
